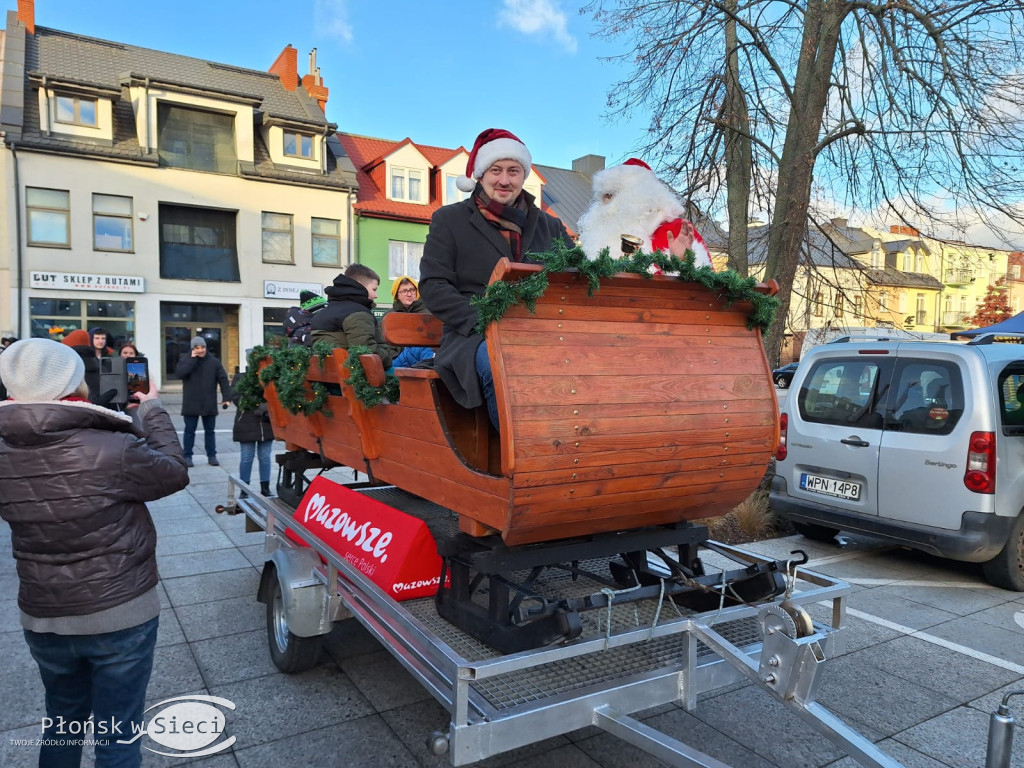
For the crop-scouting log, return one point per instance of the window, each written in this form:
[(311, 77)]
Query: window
[(277, 238), (883, 302), (857, 302), (49, 216), (56, 318), (111, 223), (908, 262), (452, 193), (819, 302), (192, 138), (839, 306), (926, 397), (404, 259), (273, 326), (845, 392), (921, 313), (326, 242), (1015, 271), (406, 184), (198, 244), (76, 110), (298, 145)]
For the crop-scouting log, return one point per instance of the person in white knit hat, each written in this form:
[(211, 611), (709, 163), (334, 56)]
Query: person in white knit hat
[(465, 242), (75, 479)]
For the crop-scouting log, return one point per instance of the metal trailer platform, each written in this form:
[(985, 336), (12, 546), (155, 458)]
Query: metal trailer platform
[(631, 657)]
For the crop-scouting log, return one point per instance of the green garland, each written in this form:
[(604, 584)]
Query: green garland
[(368, 394), (731, 286), (287, 371)]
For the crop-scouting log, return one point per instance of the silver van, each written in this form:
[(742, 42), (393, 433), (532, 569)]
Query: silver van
[(921, 443)]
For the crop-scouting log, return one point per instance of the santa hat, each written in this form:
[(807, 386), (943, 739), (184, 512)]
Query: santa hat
[(40, 370), (637, 161), (490, 146)]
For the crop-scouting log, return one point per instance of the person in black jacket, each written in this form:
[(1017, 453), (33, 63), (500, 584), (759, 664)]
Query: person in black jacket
[(347, 321), (200, 373), (255, 437), (465, 242)]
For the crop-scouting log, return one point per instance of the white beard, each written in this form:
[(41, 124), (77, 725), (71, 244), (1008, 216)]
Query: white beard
[(639, 204)]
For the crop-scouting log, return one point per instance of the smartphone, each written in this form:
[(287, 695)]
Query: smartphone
[(137, 371)]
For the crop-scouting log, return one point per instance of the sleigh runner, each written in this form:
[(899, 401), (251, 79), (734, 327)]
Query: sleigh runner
[(647, 403)]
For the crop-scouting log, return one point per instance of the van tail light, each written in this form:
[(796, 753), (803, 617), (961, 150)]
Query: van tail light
[(781, 451), (981, 463)]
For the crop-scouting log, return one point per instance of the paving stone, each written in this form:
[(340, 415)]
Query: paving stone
[(175, 672), (363, 743), (185, 526), (169, 631), (960, 600), (241, 656), (383, 681), (958, 738), (347, 639), (907, 757), (278, 706), (10, 616), (996, 641), (21, 678), (193, 563), (893, 607), (185, 543), (202, 588), (219, 618), (1009, 616)]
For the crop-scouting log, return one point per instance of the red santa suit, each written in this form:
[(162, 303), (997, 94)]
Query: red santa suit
[(630, 200)]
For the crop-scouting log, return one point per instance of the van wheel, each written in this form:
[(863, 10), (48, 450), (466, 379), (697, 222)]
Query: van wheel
[(1006, 569), (289, 652), (815, 532)]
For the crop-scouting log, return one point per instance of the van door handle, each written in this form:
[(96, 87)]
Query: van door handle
[(856, 442)]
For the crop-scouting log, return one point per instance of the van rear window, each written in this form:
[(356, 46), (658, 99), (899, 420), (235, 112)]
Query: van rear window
[(843, 391)]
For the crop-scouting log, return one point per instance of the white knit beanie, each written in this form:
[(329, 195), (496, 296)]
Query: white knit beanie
[(40, 370)]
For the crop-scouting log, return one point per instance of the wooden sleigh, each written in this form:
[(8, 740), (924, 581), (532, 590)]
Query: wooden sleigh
[(648, 403)]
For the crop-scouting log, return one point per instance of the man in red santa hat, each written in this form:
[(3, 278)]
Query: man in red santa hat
[(629, 200)]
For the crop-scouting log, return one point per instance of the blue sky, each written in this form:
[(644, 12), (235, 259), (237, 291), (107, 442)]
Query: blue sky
[(438, 72)]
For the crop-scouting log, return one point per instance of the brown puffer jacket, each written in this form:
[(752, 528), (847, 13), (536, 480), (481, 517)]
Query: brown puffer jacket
[(74, 477)]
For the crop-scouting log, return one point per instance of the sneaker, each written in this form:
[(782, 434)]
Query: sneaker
[(213, 462), (188, 461)]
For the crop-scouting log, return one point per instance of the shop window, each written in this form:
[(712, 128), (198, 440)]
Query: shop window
[(56, 318), (48, 212), (195, 139), (111, 223), (198, 244), (326, 242), (273, 326), (278, 238)]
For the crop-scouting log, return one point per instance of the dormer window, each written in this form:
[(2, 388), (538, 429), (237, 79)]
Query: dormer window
[(76, 110), (406, 184), (298, 145), (196, 139)]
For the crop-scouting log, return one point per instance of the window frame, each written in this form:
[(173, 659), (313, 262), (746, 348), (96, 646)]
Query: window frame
[(29, 208), (194, 132), (130, 216), (405, 174), (199, 220), (414, 274), (290, 231), (299, 136), (76, 110), (319, 237)]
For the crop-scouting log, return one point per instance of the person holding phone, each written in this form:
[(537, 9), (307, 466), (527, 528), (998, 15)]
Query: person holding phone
[(201, 373), (76, 479)]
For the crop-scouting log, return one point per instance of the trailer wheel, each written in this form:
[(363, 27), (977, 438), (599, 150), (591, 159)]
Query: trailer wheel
[(289, 652), (1006, 569), (815, 532)]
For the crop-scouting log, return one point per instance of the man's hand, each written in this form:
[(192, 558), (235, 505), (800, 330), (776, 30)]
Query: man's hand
[(678, 246), (225, 404), (141, 397), (195, 351)]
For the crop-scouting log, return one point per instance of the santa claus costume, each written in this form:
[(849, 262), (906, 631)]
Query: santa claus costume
[(630, 200)]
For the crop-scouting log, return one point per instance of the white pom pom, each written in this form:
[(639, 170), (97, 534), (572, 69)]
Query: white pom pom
[(465, 184)]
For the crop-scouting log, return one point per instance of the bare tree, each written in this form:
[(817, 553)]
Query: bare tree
[(913, 107)]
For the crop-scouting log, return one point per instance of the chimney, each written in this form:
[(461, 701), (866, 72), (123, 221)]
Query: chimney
[(588, 165), (314, 84), (900, 229), (27, 15), (286, 67), (839, 223)]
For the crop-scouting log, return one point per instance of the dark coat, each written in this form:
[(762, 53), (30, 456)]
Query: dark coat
[(75, 480), (461, 251), (347, 321), (250, 426), (200, 377)]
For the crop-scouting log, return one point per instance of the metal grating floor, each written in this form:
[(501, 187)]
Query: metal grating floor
[(568, 675)]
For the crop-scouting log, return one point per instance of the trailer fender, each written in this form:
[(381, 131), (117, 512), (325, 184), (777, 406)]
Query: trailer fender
[(303, 595)]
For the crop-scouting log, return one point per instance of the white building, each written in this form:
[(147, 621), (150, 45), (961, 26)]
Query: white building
[(161, 196)]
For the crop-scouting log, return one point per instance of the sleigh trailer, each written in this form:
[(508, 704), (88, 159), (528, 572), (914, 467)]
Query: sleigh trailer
[(631, 655)]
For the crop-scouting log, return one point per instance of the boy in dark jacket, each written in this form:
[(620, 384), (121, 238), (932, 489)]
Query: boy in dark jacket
[(298, 321), (348, 319)]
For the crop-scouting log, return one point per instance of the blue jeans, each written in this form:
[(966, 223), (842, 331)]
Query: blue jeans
[(248, 451), (209, 422), (105, 675), (483, 373)]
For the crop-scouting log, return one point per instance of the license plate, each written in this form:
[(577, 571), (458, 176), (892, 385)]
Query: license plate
[(829, 486)]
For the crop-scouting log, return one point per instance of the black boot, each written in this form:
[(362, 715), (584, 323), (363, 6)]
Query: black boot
[(265, 489)]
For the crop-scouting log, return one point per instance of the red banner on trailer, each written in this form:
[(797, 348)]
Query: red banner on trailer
[(394, 550)]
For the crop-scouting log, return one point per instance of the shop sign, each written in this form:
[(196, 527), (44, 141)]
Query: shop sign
[(87, 281), (279, 289)]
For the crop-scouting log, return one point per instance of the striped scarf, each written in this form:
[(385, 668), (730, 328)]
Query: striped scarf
[(509, 220)]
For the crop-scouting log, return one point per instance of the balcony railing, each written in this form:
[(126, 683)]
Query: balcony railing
[(959, 276), (954, 319)]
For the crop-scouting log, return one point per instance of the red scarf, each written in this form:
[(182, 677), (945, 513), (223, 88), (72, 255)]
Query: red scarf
[(509, 220)]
